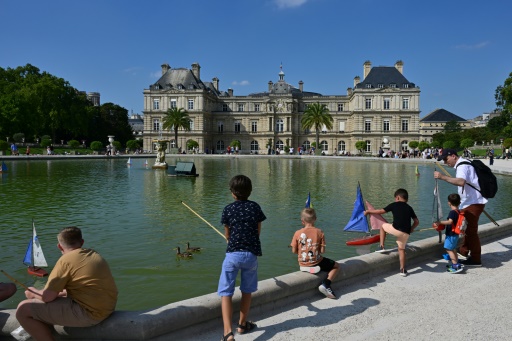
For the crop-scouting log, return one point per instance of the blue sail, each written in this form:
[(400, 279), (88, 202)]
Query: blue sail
[(4, 167), (358, 221), (28, 255)]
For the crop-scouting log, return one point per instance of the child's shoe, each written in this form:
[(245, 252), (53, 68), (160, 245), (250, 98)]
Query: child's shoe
[(327, 291), (455, 268), (403, 273)]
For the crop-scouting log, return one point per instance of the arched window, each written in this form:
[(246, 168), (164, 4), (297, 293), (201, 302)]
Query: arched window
[(405, 145), (368, 146), (220, 146), (306, 145), (279, 125), (341, 146), (254, 146), (324, 146), (280, 145)]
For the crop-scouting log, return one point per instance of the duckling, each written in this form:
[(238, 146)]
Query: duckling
[(182, 255), (192, 249)]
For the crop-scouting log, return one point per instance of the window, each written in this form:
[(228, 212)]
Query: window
[(237, 127), (392, 85), (224, 107), (306, 145), (368, 125), (324, 146), (368, 103), (404, 145), (406, 85), (220, 127), (270, 124), (342, 126), (220, 147), (340, 106), (405, 125), (405, 103), (191, 124), (386, 103), (156, 104), (341, 146), (368, 86), (254, 126), (279, 125), (190, 104), (254, 146), (288, 124), (173, 103), (280, 145), (385, 125), (156, 124), (173, 144), (324, 129), (240, 107), (368, 146), (257, 108), (380, 85)]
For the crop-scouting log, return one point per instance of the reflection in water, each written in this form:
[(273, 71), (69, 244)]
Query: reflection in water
[(134, 217)]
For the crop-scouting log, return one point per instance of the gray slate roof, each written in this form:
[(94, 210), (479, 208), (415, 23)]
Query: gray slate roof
[(442, 115), (181, 78), (384, 75)]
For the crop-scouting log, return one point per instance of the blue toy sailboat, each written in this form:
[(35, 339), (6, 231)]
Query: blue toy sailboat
[(3, 168), (359, 223), (34, 257)]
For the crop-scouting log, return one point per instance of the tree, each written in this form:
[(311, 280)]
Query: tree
[(450, 144), (317, 116), (466, 143), (423, 145), (414, 144), (176, 118), (132, 144), (191, 144), (507, 143), (4, 145), (452, 126), (96, 145), (73, 144), (236, 143), (503, 95), (361, 145)]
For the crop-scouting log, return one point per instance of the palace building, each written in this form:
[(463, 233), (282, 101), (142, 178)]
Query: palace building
[(382, 109)]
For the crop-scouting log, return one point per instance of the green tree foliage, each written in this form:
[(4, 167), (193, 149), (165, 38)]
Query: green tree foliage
[(316, 116), (191, 144), (503, 95), (361, 146), (117, 145), (96, 145), (466, 143), (175, 119), (110, 119), (73, 144), (450, 144), (18, 137), (452, 127), (498, 123), (45, 142), (423, 145), (507, 143), (414, 144), (4, 145), (133, 144), (236, 143)]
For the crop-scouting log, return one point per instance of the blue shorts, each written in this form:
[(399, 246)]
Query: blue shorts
[(450, 242), (245, 261)]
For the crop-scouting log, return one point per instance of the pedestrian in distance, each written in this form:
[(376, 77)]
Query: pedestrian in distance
[(242, 227), (404, 223), (309, 244), (451, 239), (471, 202), (80, 291)]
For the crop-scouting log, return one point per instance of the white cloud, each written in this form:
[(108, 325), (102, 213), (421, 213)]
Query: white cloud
[(242, 83), (156, 74), (289, 3), (472, 47), (132, 70)]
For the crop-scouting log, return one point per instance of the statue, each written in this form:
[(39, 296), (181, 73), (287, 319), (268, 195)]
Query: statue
[(160, 156)]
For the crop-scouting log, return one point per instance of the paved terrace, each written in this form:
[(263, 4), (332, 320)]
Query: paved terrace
[(374, 302)]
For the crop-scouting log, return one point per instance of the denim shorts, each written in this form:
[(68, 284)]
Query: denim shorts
[(245, 261), (450, 242)]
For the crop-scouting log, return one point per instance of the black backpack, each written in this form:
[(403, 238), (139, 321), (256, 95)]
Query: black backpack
[(486, 179)]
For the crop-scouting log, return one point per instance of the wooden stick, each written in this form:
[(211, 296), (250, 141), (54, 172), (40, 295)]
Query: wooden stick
[(223, 236), (18, 282), (485, 212)]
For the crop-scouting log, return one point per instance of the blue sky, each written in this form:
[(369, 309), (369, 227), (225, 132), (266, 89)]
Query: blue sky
[(457, 52)]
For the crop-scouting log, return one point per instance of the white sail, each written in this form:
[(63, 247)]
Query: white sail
[(37, 250)]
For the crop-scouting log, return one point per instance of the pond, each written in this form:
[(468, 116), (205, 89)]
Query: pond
[(134, 216)]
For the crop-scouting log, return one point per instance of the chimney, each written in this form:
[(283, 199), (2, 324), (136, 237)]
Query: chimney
[(165, 68), (356, 80), (216, 83), (349, 91), (230, 92), (270, 86), (301, 85), (196, 70), (399, 65), (367, 68)]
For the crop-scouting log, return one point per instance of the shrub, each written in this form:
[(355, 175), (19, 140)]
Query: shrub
[(132, 144), (18, 137), (4, 145), (73, 144), (450, 144), (466, 143), (96, 145), (45, 142), (117, 145), (191, 144)]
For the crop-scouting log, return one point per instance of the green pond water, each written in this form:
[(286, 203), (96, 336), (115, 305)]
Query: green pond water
[(134, 216)]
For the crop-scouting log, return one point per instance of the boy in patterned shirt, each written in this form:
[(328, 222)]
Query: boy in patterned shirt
[(242, 226), (309, 244)]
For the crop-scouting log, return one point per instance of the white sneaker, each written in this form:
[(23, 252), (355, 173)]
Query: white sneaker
[(326, 291), (310, 269)]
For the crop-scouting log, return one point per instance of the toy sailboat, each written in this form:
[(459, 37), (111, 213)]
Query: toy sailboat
[(34, 257), (359, 223), (417, 171), (146, 164), (3, 168), (129, 162)]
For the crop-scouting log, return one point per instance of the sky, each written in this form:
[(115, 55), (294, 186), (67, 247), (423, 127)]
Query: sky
[(457, 52)]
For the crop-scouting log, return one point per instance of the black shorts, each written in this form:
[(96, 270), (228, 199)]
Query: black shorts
[(326, 264)]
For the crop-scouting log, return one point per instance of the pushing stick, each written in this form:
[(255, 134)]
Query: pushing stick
[(213, 227), (18, 282)]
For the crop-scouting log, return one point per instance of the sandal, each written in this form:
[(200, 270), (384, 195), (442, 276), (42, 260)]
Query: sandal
[(226, 337), (247, 327)]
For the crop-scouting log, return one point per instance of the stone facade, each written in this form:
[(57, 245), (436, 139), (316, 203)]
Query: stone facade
[(384, 105)]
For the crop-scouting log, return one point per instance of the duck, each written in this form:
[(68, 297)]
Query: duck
[(182, 255), (192, 249)]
